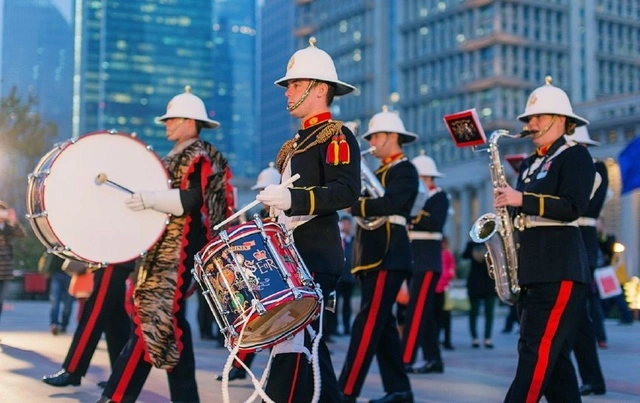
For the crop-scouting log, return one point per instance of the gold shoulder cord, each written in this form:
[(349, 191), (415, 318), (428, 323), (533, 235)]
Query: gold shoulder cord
[(320, 135)]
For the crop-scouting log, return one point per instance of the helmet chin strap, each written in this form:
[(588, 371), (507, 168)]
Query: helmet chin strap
[(304, 96)]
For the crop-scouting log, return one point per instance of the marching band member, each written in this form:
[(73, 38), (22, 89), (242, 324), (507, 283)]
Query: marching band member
[(104, 311), (553, 191), (585, 345), (382, 261), (199, 197), (421, 327), (326, 154)]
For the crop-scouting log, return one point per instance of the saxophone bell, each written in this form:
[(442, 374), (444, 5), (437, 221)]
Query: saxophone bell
[(495, 230)]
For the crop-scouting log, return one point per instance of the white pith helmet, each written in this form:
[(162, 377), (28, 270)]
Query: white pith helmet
[(550, 100), (389, 122), (581, 136), (266, 177), (189, 106), (312, 63), (426, 166), (353, 127)]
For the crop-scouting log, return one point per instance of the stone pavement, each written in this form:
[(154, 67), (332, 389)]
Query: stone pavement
[(28, 351)]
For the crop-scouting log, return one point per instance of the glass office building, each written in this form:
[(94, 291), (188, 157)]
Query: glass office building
[(428, 58), (37, 58), (234, 84), (276, 45), (133, 56)]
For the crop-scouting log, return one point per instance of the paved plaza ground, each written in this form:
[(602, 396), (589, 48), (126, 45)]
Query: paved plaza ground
[(28, 351)]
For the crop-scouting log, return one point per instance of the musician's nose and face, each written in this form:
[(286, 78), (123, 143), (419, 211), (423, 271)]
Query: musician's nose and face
[(383, 143), (180, 129), (548, 128)]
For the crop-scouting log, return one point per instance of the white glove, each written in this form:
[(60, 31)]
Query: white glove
[(275, 196), (165, 201)]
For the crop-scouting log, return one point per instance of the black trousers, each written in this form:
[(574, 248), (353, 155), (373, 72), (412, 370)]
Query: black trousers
[(291, 374), (586, 351), (131, 369), (421, 328), (375, 332), (549, 316), (104, 311)]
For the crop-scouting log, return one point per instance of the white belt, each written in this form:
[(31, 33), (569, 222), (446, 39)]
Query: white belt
[(522, 222), (397, 219), (587, 222), (425, 236)]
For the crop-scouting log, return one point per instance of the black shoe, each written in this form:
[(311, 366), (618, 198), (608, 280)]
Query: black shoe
[(62, 378), (102, 384), (395, 397), (588, 389), (430, 367), (448, 346), (235, 373), (347, 399)]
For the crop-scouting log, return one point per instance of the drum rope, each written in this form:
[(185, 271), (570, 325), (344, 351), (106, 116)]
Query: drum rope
[(233, 355)]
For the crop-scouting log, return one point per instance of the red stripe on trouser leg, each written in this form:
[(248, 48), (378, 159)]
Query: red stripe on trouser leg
[(416, 320), (544, 349), (129, 370), (91, 323), (295, 379), (366, 334)]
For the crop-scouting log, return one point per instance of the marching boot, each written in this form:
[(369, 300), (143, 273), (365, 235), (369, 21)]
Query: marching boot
[(62, 378), (235, 373)]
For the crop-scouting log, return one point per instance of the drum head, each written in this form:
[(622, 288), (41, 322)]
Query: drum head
[(90, 218)]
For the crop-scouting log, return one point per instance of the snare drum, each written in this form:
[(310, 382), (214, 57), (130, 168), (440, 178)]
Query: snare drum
[(256, 285), (79, 217)]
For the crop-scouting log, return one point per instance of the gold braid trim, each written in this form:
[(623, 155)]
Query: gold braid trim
[(321, 135), (282, 155)]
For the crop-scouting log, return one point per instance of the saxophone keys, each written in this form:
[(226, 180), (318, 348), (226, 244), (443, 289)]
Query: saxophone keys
[(527, 180)]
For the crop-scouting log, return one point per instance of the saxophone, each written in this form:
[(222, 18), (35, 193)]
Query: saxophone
[(496, 231)]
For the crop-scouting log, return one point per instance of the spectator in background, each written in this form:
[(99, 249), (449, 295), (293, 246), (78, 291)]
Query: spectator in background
[(347, 281), (443, 313), (10, 229), (61, 302), (481, 290)]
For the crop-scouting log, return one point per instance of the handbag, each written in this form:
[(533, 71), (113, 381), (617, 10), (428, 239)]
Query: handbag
[(607, 282)]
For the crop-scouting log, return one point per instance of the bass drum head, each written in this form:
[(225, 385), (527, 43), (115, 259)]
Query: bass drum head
[(90, 218)]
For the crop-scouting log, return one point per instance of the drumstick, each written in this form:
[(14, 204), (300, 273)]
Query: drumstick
[(102, 178), (253, 204)]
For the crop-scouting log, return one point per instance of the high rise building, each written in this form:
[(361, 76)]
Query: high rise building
[(37, 58), (234, 84), (429, 58), (133, 56), (276, 45)]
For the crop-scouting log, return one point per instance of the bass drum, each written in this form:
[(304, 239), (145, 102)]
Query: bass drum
[(76, 208)]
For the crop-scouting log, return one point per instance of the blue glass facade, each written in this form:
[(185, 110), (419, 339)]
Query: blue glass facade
[(234, 84), (276, 47), (38, 60), (134, 57)]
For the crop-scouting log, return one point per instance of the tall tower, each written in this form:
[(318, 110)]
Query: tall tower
[(276, 46), (132, 56), (234, 84), (38, 60)]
